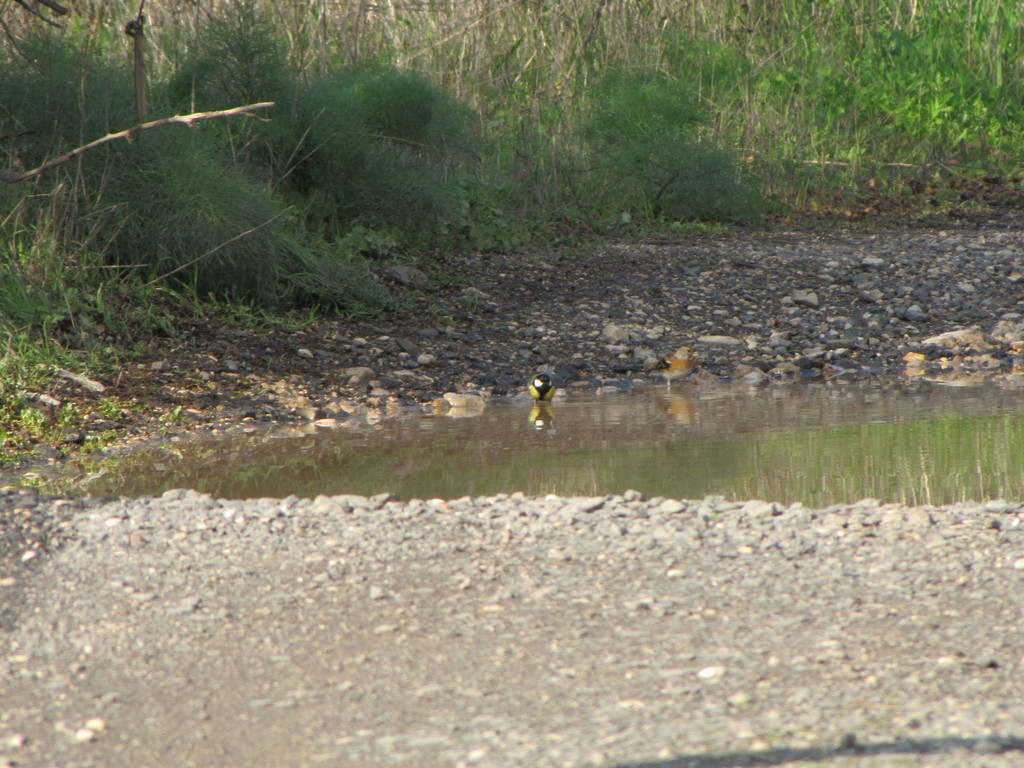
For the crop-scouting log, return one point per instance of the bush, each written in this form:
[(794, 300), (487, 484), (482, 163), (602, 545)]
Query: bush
[(236, 59), (646, 153), (352, 148), (379, 150), (165, 206)]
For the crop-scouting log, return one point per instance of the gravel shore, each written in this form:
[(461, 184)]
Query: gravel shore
[(513, 631)]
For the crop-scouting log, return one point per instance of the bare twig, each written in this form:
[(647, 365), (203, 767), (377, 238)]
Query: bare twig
[(57, 8), (216, 248), (16, 134), (12, 176)]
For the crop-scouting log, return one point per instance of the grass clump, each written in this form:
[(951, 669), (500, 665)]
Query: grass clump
[(350, 148), (378, 150)]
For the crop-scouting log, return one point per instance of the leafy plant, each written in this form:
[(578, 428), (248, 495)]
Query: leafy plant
[(379, 150)]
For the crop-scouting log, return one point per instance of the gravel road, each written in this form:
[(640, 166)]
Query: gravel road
[(511, 631)]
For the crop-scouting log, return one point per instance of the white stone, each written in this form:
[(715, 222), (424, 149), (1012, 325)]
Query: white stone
[(721, 340)]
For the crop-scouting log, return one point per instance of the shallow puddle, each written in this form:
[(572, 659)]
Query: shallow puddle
[(815, 443)]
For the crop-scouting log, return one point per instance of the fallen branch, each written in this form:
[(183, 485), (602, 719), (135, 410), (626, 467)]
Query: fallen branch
[(13, 176), (57, 8), (845, 164), (82, 381)]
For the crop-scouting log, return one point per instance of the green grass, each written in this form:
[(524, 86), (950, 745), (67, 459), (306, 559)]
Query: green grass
[(28, 418)]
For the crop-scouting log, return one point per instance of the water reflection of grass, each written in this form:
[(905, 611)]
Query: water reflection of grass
[(938, 461), (944, 460)]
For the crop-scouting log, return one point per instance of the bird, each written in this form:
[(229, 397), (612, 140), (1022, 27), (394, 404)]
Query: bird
[(542, 387), (677, 365)]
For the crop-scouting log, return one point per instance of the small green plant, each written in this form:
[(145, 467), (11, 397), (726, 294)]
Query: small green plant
[(67, 417), (97, 441), (173, 416), (115, 409)]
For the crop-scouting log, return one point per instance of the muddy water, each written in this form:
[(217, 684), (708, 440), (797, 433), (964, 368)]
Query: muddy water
[(815, 443)]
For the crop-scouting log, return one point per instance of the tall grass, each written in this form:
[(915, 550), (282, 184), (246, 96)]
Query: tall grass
[(800, 86), (834, 92)]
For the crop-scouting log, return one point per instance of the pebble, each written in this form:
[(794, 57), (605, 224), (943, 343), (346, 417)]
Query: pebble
[(616, 333), (408, 276), (670, 507), (587, 504), (362, 373), (965, 337), (806, 298), (468, 401), (720, 340), (710, 673)]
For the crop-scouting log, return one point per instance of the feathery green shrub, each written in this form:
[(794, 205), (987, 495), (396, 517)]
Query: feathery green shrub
[(172, 205), (648, 149)]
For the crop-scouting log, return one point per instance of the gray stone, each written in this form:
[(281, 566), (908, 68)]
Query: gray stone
[(408, 276), (587, 503)]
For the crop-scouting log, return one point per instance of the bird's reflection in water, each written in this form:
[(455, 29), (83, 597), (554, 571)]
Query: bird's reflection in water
[(542, 416), (680, 408)]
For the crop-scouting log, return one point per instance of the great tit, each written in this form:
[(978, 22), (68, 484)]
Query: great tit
[(542, 387)]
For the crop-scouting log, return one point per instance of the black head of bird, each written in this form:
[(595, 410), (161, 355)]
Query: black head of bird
[(542, 387)]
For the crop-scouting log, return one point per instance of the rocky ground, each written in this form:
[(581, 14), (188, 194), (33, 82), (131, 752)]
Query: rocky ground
[(515, 631), (512, 631)]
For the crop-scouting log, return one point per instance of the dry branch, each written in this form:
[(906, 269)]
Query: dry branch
[(12, 176), (57, 8), (844, 164)]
